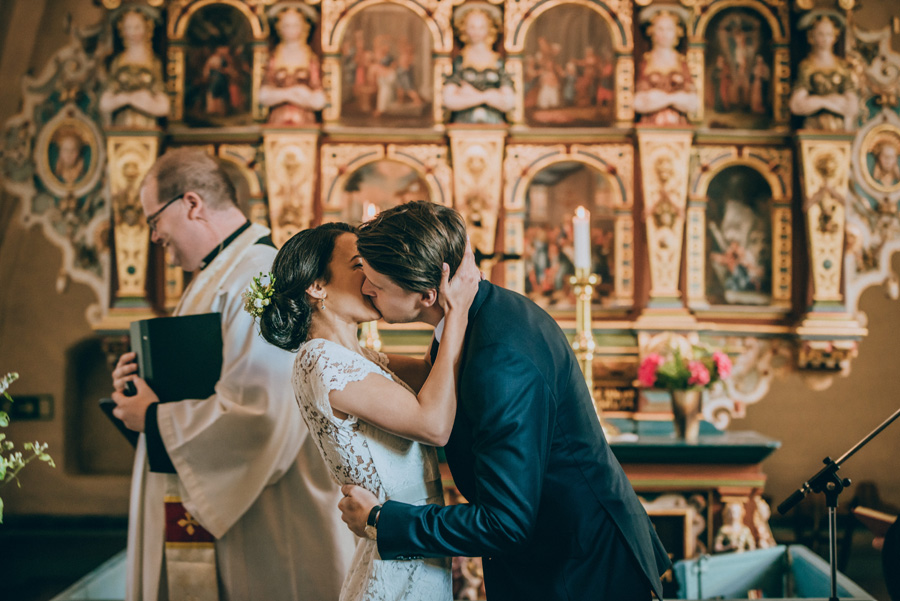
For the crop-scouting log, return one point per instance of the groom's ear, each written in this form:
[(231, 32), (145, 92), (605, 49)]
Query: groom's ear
[(429, 297)]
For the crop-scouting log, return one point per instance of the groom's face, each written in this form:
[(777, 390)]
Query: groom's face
[(396, 304)]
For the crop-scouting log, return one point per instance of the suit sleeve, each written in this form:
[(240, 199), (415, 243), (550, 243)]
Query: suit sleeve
[(510, 406)]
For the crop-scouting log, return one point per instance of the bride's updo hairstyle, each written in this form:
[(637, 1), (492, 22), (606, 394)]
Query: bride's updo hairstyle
[(301, 261)]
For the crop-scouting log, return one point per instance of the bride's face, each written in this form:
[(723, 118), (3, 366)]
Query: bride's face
[(344, 289)]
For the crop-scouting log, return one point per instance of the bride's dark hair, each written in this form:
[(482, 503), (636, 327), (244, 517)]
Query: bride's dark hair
[(301, 261)]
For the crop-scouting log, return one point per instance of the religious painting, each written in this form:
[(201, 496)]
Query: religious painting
[(380, 185), (386, 71), (739, 238), (553, 196), (69, 155), (218, 85), (739, 70), (569, 68), (881, 160)]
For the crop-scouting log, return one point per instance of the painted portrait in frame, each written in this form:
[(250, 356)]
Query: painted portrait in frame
[(386, 69), (739, 70), (218, 84), (881, 158), (568, 69), (69, 154), (739, 238), (552, 198), (384, 184)]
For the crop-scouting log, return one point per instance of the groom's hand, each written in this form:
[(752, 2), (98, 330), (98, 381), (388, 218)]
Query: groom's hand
[(355, 508)]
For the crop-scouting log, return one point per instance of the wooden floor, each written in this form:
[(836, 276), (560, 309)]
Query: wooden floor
[(41, 557)]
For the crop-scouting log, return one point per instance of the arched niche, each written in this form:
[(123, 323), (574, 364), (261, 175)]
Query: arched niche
[(568, 69), (725, 41), (216, 54), (544, 186), (520, 16), (739, 231), (338, 16), (356, 174), (610, 32), (386, 74), (739, 238), (739, 70)]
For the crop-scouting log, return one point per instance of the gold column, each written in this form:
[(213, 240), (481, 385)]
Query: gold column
[(130, 156), (291, 170), (664, 159)]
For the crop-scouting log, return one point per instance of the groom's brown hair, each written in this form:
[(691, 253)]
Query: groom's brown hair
[(409, 242)]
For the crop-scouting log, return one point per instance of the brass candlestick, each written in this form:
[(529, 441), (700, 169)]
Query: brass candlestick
[(584, 344)]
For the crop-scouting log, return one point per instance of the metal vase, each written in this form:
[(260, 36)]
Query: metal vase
[(687, 407)]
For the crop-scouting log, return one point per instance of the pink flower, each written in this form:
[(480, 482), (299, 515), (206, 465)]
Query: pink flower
[(699, 374), (647, 369), (723, 364)]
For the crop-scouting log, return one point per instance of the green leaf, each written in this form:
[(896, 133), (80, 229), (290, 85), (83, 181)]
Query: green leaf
[(4, 419)]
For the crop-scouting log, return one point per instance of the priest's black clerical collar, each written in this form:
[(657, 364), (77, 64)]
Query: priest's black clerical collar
[(209, 258)]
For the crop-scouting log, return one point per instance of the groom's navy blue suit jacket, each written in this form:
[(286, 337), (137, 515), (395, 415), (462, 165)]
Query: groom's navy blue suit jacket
[(528, 453)]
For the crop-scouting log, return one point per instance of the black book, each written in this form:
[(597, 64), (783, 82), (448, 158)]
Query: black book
[(179, 357)]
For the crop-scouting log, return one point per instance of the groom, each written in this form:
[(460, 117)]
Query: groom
[(550, 510)]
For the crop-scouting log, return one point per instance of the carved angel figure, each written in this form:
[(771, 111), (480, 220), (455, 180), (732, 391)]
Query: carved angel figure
[(135, 94), (478, 90)]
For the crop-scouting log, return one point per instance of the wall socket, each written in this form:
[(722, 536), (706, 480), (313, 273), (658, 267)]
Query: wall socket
[(29, 407)]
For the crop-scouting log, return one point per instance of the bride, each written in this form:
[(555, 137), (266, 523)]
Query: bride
[(371, 427)]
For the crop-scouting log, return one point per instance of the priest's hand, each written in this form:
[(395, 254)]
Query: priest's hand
[(132, 409), (355, 508), (125, 371)]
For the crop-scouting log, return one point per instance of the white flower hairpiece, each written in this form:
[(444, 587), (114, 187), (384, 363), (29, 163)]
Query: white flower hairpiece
[(258, 294)]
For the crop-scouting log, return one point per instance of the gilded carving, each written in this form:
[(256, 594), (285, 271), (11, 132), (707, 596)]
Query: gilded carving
[(290, 171), (519, 15), (521, 163), (624, 88), (431, 161), (337, 161), (828, 355), (478, 159), (130, 157), (664, 164), (782, 241), (825, 184), (337, 14), (696, 255), (54, 161), (879, 63), (624, 274)]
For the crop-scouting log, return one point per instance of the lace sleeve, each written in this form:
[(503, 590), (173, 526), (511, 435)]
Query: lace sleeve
[(323, 366)]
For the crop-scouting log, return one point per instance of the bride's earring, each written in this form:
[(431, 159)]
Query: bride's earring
[(322, 305)]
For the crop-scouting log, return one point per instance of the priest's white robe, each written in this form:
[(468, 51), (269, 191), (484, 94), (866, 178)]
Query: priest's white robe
[(247, 469)]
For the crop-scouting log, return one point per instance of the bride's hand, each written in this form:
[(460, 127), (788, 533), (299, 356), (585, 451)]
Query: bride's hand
[(457, 294)]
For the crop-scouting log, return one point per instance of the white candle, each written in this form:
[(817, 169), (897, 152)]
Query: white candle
[(370, 209), (581, 226)]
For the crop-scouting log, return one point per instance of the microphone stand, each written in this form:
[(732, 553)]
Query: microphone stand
[(828, 482)]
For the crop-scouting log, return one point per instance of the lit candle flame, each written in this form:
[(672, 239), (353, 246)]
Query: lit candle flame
[(369, 211), (580, 212)]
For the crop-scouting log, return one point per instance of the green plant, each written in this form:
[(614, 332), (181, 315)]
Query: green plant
[(11, 461)]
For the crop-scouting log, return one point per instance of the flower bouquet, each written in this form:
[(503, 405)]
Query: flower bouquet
[(685, 377)]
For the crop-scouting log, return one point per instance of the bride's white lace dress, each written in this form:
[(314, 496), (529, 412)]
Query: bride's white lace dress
[(387, 465)]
